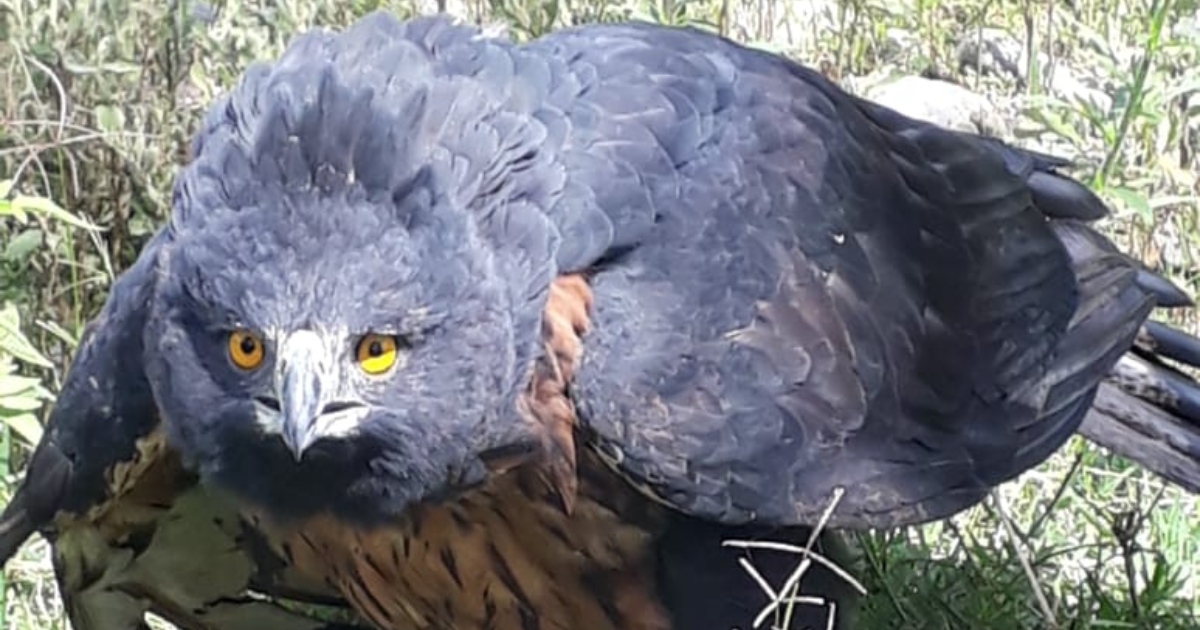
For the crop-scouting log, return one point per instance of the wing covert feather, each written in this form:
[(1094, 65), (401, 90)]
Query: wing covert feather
[(104, 407), (831, 296)]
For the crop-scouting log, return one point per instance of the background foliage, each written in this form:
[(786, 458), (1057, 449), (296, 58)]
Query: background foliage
[(98, 99)]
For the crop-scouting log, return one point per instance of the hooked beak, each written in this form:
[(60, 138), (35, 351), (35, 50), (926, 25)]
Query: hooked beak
[(300, 381)]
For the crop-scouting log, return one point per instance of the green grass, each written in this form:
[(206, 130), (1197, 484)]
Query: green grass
[(96, 110)]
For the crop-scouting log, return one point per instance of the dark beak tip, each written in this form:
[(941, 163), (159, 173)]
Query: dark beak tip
[(297, 453), (298, 444)]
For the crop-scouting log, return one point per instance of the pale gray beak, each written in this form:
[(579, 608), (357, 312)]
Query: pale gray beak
[(300, 376), (312, 401)]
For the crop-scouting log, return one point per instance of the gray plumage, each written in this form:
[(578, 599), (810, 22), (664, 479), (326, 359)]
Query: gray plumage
[(794, 291)]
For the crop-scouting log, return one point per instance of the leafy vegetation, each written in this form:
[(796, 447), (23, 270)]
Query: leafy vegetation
[(98, 101)]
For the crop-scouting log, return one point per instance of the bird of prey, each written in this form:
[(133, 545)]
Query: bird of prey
[(470, 334)]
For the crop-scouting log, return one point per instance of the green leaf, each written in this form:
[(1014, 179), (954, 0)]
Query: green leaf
[(7, 210), (46, 207), (63, 335), (109, 118), (12, 386), (13, 342), (23, 404), (22, 245), (1164, 201), (112, 67), (25, 425), (1135, 200), (20, 398)]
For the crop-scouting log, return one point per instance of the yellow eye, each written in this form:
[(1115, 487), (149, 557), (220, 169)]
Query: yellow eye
[(245, 349), (376, 353)]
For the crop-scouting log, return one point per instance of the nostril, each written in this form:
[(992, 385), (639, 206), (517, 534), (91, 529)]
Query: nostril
[(339, 405), (268, 402)]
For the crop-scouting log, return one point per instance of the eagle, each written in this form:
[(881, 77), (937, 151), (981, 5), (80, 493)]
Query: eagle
[(451, 332)]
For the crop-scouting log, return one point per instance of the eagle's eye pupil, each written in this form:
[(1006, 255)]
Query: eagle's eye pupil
[(248, 345), (376, 349)]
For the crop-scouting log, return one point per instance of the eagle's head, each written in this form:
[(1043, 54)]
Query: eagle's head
[(350, 299)]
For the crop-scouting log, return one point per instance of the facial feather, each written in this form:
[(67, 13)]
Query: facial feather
[(341, 192)]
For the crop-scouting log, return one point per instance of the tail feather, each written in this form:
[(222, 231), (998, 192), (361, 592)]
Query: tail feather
[(1062, 198), (1139, 431), (1157, 341), (1109, 312), (1165, 293), (15, 529), (1145, 409), (1148, 410), (1169, 389), (37, 499)]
